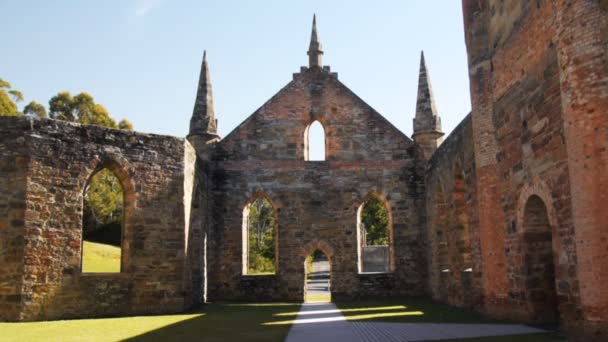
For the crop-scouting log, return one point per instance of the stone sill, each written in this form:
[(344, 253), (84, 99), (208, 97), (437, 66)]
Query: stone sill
[(374, 273), (256, 276), (104, 275)]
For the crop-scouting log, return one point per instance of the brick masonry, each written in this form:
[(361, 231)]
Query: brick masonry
[(507, 216), (47, 165)]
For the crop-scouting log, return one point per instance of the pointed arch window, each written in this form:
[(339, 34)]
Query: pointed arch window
[(103, 221), (259, 237), (374, 236), (314, 142)]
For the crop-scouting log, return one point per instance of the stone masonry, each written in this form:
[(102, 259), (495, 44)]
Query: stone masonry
[(505, 217)]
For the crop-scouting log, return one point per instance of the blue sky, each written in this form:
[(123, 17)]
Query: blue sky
[(141, 58)]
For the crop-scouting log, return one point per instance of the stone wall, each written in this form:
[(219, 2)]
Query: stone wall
[(14, 161), (316, 202), (453, 234), (534, 70), (56, 159)]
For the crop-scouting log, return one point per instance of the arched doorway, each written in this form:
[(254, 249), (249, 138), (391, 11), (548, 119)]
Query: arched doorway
[(539, 267), (318, 278)]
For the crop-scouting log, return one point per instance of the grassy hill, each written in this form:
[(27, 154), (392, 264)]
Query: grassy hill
[(100, 258)]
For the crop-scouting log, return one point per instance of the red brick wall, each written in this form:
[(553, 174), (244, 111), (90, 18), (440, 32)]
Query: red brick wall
[(536, 71)]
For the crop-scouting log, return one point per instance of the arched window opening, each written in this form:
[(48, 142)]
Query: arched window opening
[(314, 142), (102, 226), (539, 267), (374, 236), (318, 270), (259, 238)]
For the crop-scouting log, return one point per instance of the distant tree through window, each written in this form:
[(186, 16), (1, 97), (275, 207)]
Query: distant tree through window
[(102, 223)]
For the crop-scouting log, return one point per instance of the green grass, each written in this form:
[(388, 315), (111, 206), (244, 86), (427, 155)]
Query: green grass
[(214, 322), (100, 258), (407, 310), (421, 310)]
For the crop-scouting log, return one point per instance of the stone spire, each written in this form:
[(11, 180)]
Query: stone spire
[(427, 123), (315, 52), (203, 120)]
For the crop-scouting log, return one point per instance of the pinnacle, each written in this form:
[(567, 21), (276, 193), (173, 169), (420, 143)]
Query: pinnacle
[(427, 119), (203, 116), (315, 51)]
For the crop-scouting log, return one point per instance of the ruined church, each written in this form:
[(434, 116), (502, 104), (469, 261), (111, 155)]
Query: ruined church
[(505, 216)]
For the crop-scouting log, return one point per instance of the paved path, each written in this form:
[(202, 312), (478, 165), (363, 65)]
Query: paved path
[(318, 281), (319, 322)]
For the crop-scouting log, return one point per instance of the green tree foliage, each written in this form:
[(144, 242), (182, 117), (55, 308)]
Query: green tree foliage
[(375, 220), (103, 202), (261, 226), (125, 124), (103, 206), (81, 109), (8, 99), (35, 109)]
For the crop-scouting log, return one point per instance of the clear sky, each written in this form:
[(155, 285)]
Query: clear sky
[(141, 58)]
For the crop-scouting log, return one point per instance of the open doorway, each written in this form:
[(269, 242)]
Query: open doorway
[(317, 284)]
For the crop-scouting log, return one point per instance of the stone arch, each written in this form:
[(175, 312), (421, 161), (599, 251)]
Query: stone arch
[(307, 142), (391, 250), (537, 233), (539, 266), (313, 245), (245, 232), (309, 249), (123, 171)]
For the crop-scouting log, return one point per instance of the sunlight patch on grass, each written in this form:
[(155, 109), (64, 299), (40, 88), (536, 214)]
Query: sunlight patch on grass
[(318, 312), (105, 329), (100, 258), (215, 322), (384, 315), (258, 304), (432, 312)]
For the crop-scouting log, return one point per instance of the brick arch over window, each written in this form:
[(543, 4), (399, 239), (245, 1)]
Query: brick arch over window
[(122, 170), (245, 231), (314, 245), (541, 247), (391, 243)]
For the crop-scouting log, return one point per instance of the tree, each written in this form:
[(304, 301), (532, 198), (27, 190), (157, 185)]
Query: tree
[(35, 109), (125, 124), (8, 97), (375, 219), (103, 194), (261, 226), (81, 109)]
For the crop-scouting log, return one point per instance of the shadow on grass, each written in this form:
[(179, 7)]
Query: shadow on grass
[(227, 322), (407, 310)]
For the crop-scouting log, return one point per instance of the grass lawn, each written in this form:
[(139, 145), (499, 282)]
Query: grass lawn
[(407, 310), (422, 310), (214, 322), (100, 258)]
